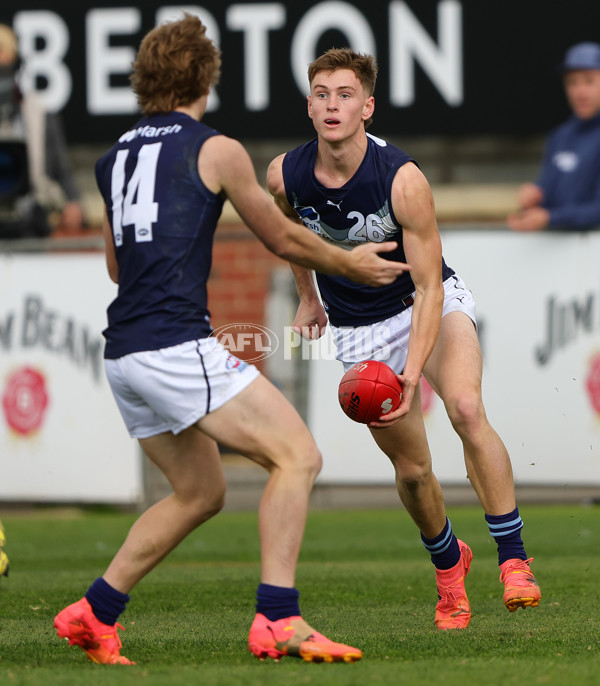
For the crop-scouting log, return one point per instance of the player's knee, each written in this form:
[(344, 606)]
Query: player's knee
[(312, 461), (465, 412), (215, 503), (316, 462), (308, 460), (206, 503), (413, 477), (209, 507)]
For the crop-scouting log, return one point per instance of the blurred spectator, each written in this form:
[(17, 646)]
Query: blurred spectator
[(37, 187), (567, 192)]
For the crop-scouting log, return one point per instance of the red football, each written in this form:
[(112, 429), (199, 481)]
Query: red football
[(368, 390)]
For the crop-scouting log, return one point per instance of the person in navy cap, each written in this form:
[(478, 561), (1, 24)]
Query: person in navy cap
[(566, 195)]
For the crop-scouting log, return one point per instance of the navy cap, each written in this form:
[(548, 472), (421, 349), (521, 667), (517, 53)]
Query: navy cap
[(582, 56)]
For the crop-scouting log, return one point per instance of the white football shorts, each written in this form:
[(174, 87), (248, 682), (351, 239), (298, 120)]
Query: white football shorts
[(172, 388), (387, 340)]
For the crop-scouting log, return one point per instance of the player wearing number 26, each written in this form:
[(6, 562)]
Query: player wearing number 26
[(179, 391), (354, 189)]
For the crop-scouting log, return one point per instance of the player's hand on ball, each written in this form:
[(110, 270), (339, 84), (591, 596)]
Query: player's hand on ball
[(408, 392), (369, 390)]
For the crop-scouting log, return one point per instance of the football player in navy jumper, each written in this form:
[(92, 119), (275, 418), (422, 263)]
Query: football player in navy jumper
[(354, 189), (179, 391)]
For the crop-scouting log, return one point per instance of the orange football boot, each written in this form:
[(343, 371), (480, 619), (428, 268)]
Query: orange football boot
[(453, 610), (520, 586), (293, 637), (100, 642)]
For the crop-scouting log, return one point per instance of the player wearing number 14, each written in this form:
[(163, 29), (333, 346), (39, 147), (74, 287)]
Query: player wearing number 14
[(180, 392)]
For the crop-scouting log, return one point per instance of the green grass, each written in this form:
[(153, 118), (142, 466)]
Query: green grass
[(364, 579)]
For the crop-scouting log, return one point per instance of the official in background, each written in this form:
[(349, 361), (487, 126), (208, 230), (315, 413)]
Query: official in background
[(566, 195), (37, 187)]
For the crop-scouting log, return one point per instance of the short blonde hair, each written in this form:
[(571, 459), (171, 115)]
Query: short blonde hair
[(176, 64)]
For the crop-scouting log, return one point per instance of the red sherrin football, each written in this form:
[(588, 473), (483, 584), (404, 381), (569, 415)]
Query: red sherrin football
[(368, 390)]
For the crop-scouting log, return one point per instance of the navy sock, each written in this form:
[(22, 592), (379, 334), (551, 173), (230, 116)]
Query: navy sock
[(506, 531), (443, 549), (277, 602), (107, 603)]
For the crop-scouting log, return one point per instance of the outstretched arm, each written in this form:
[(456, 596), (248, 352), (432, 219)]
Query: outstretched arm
[(225, 166)]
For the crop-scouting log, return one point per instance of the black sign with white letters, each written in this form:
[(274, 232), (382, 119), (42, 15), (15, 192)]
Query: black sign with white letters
[(447, 67)]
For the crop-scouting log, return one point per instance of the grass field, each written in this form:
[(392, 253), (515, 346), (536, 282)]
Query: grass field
[(364, 579)]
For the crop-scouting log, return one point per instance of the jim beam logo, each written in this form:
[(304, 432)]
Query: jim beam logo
[(36, 326), (565, 322)]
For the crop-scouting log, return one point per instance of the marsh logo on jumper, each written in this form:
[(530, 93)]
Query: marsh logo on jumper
[(248, 342)]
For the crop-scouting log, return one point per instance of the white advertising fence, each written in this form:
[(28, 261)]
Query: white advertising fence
[(61, 436), (538, 308)]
